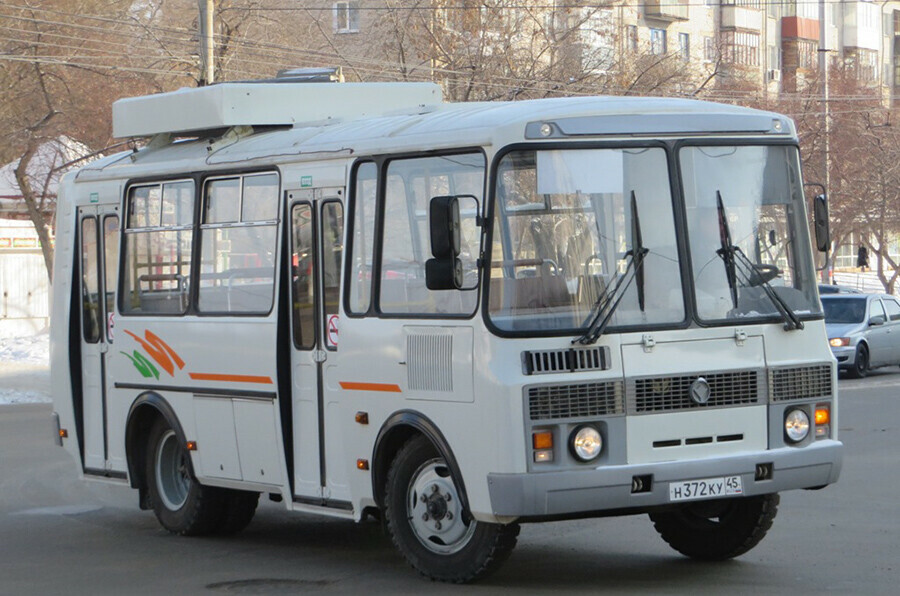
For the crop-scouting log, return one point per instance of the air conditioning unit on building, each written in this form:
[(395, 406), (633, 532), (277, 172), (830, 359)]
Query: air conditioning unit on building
[(773, 74)]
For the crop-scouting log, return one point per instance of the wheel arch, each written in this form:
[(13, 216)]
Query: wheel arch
[(145, 410), (395, 432)]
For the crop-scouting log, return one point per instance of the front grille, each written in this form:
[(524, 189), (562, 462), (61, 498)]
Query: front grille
[(804, 382), (579, 400), (536, 362), (663, 394)]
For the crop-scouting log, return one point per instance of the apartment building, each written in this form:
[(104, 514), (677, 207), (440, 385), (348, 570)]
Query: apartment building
[(752, 44)]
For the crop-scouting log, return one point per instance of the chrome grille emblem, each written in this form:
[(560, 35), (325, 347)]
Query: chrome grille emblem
[(700, 391)]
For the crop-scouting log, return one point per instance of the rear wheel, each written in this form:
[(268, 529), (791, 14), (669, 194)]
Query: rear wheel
[(181, 504), (717, 530), (860, 366), (428, 524)]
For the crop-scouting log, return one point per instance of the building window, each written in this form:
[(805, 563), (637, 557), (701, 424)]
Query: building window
[(866, 65), (709, 48), (739, 47), (684, 46), (631, 38), (807, 54), (657, 41), (774, 57), (346, 17)]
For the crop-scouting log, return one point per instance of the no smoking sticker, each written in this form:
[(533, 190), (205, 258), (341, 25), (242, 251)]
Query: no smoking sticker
[(331, 330)]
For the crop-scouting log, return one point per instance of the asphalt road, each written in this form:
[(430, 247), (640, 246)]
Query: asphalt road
[(59, 535)]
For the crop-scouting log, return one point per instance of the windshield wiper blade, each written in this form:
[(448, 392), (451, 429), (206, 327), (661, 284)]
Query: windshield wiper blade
[(727, 250), (732, 254), (637, 251), (606, 305)]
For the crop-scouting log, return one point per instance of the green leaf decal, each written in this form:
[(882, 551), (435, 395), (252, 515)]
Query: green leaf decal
[(143, 366)]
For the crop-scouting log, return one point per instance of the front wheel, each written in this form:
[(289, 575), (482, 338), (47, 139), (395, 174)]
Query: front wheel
[(860, 366), (428, 524), (717, 530), (181, 504)]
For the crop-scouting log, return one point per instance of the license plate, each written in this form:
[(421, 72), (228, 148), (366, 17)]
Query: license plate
[(707, 488)]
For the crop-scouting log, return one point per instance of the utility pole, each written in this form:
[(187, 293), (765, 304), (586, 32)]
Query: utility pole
[(823, 82), (207, 44)]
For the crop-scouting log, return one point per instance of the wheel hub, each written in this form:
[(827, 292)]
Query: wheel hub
[(434, 510)]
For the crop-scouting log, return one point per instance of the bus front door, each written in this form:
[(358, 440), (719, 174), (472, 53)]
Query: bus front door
[(98, 230), (316, 217)]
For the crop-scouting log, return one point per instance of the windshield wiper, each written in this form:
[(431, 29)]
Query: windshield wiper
[(727, 250), (608, 302), (733, 255)]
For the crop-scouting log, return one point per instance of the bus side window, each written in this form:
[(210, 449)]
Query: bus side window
[(302, 276), (110, 263), (332, 250), (237, 257), (157, 247), (359, 279), (90, 281)]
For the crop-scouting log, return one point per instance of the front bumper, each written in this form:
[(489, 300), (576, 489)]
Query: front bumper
[(609, 487), (845, 356)]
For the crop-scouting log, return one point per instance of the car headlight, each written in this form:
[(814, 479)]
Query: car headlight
[(796, 425), (839, 342), (586, 442)]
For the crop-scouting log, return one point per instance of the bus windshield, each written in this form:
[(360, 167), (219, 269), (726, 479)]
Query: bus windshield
[(746, 230), (562, 236)]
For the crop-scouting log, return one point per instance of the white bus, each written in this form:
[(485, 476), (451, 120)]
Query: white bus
[(362, 301)]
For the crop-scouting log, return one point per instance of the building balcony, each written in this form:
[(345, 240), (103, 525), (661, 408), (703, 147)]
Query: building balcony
[(741, 17), (666, 10)]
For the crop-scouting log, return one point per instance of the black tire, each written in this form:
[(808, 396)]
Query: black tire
[(717, 530), (238, 510), (472, 549), (860, 366), (181, 504)]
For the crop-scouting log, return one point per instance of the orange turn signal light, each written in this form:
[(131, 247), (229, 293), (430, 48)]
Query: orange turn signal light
[(362, 417), (362, 464), (63, 433), (542, 440), (823, 415), (191, 445)]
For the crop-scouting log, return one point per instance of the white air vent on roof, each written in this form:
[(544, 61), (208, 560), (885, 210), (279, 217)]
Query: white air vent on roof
[(263, 104)]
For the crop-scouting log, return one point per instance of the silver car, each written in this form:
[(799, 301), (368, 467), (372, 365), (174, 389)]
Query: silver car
[(863, 330)]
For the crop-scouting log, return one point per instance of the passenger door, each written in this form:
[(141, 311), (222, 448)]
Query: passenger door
[(892, 308), (878, 336), (98, 231), (316, 217)]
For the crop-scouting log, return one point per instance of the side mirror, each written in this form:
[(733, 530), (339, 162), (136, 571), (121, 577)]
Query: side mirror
[(820, 222), (876, 320), (445, 270)]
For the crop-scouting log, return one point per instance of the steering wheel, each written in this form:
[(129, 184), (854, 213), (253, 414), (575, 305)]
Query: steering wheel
[(762, 273)]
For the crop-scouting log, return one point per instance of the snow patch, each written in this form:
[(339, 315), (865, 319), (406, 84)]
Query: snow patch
[(34, 349), (25, 369), (18, 396)]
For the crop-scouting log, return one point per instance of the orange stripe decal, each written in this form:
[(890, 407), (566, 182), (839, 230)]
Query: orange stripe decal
[(230, 378), (386, 387)]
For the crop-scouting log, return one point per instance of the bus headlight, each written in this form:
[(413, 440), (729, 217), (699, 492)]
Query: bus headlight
[(586, 442), (796, 425)]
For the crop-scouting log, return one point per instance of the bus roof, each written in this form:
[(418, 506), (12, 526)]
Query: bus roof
[(445, 125)]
